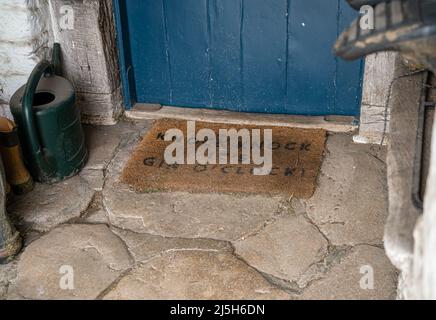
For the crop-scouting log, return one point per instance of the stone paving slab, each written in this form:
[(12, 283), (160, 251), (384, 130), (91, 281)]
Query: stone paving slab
[(95, 178), (103, 141), (285, 249), (95, 255), (144, 247), (343, 282), (195, 275), (51, 205), (185, 215), (350, 203), (8, 273), (97, 217)]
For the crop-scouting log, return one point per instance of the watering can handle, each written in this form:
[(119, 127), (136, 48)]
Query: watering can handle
[(30, 130)]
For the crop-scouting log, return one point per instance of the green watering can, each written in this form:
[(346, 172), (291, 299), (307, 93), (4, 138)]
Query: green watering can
[(49, 124)]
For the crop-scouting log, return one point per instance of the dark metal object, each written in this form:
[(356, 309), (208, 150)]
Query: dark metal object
[(10, 240), (423, 143), (407, 26)]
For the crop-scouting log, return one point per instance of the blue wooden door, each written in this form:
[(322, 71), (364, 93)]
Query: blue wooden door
[(270, 56)]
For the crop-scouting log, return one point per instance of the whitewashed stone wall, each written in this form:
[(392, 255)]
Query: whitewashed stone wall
[(424, 269), (24, 40)]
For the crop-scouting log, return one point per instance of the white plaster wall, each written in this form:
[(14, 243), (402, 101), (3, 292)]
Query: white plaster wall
[(429, 237), (24, 40)]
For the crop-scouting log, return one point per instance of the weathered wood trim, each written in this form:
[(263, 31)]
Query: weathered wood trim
[(90, 58), (332, 124), (377, 86)]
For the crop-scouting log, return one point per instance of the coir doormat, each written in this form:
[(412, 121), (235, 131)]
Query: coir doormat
[(296, 161)]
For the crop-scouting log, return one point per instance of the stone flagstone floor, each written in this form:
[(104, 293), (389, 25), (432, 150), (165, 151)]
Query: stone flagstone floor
[(121, 245)]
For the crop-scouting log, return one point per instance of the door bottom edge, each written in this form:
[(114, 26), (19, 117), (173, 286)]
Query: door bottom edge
[(328, 123)]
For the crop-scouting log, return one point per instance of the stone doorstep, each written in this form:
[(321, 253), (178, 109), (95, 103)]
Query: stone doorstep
[(330, 123)]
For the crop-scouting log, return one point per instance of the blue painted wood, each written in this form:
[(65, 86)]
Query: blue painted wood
[(150, 55), (311, 65), (264, 55), (187, 26), (225, 53), (270, 56), (348, 80)]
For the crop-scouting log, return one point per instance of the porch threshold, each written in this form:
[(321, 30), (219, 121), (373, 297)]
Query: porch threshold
[(329, 123)]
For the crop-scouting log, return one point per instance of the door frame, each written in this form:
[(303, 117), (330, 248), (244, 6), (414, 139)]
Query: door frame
[(123, 44)]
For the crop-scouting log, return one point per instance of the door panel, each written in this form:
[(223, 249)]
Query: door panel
[(311, 65), (264, 55), (225, 48), (271, 56)]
